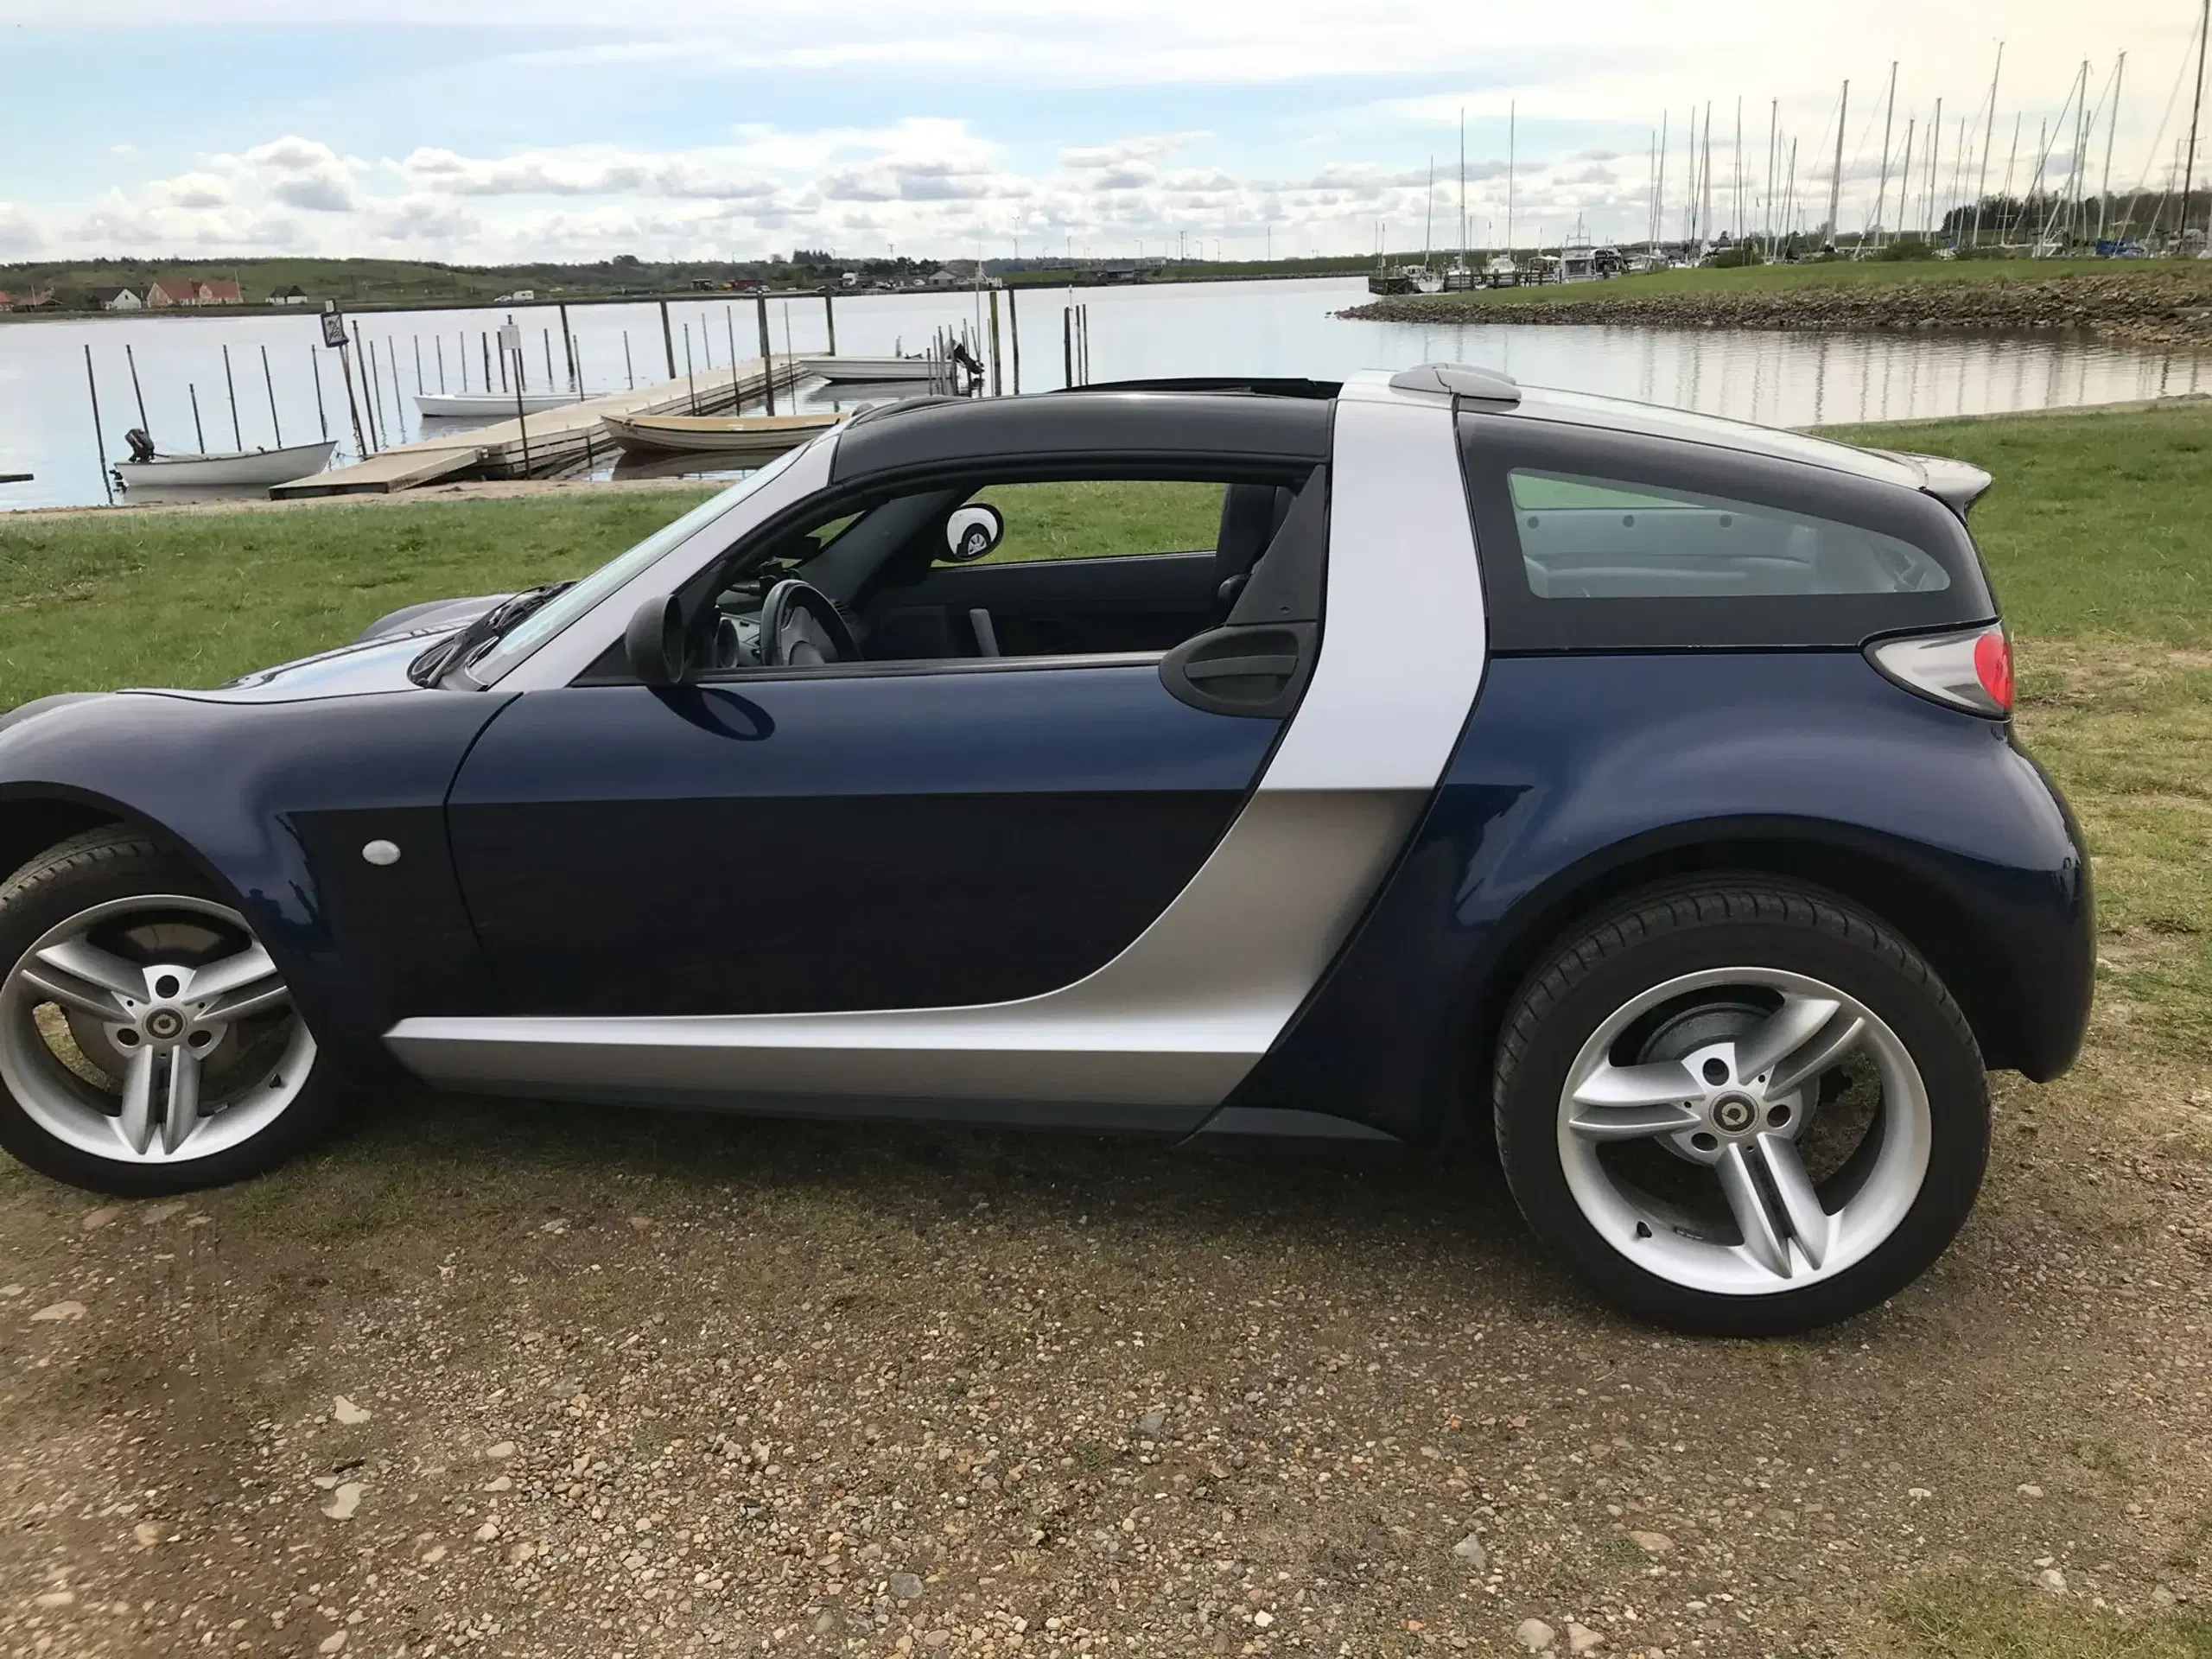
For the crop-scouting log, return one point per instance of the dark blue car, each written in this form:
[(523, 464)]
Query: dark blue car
[(1637, 787)]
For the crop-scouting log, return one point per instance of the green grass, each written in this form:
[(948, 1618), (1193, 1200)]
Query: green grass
[(1085, 520), (1954, 1619)]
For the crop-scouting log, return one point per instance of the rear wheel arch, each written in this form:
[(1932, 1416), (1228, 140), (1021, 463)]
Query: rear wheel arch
[(1880, 882)]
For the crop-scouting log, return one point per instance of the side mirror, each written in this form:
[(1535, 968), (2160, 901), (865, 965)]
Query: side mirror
[(653, 642), (972, 532)]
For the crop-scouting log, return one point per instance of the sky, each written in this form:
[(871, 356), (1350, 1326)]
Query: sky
[(488, 130)]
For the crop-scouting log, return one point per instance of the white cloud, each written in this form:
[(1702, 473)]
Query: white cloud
[(19, 232)]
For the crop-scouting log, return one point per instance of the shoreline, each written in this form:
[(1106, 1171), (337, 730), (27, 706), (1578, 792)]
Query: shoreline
[(2170, 305)]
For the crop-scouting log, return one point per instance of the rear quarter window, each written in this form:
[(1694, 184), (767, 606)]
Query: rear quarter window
[(1594, 540)]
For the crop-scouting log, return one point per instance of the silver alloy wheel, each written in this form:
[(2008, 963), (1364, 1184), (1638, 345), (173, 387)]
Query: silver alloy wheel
[(1741, 1088), (183, 1035)]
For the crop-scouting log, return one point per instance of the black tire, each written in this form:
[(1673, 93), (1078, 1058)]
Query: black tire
[(1715, 923), (93, 869)]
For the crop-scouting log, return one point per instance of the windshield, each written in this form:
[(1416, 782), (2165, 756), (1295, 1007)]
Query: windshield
[(549, 619)]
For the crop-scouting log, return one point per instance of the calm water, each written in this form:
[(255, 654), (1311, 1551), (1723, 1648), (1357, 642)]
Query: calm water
[(1276, 327)]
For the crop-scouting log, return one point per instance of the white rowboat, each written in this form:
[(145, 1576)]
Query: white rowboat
[(245, 469), (486, 405), (872, 369), (732, 435)]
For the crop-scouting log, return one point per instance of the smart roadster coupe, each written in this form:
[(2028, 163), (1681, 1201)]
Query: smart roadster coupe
[(1386, 761)]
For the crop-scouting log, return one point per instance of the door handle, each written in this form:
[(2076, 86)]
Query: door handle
[(1256, 669)]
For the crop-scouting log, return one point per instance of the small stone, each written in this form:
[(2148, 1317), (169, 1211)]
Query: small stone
[(55, 1598), (2028, 1489), (436, 1554), (1534, 1635), (1651, 1543), (500, 1453), (11, 1291), (147, 1533), (487, 1532), (906, 1586), (643, 1224), (2053, 1580), (330, 1643), (1580, 1638), (345, 1501), (1470, 1549), (502, 1483), (1263, 1618), (95, 1219), (2162, 1596), (347, 1412), (1918, 1493), (161, 1213), (1153, 1425), (936, 1639), (55, 1311)]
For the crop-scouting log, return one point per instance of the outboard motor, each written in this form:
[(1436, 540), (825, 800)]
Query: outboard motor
[(142, 446)]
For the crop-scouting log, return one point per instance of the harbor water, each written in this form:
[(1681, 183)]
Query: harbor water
[(1277, 328)]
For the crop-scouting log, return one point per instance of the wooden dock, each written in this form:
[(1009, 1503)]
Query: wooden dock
[(539, 445)]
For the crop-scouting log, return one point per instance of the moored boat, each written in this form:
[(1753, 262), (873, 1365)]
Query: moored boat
[(873, 369), (763, 436), (240, 469), (486, 405)]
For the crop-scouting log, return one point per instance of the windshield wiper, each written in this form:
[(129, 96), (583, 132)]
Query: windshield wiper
[(442, 659)]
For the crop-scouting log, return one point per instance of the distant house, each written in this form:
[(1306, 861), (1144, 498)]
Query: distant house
[(194, 290), (290, 294), (116, 299)]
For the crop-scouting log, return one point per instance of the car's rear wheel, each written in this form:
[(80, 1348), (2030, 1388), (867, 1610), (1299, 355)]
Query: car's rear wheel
[(147, 1043), (1741, 1107)]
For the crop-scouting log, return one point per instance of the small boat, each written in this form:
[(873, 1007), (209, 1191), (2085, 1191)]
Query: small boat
[(486, 405), (763, 436), (242, 469), (872, 369)]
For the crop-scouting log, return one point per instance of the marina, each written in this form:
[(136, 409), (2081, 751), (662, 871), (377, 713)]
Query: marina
[(622, 356)]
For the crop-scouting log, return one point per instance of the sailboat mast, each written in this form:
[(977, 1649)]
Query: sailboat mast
[(1988, 137), (2196, 108), (1512, 114), (1835, 179), (1428, 225), (1773, 160), (1704, 182), (1882, 190), (1463, 188), (1659, 186), (2112, 125), (1738, 197)]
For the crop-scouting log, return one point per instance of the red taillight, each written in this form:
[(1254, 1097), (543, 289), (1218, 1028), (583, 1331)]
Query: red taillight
[(1971, 669), (1992, 666)]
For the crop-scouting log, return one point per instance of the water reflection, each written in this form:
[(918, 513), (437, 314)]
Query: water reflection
[(1278, 328)]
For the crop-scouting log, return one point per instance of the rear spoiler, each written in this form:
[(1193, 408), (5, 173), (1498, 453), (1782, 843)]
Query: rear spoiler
[(1957, 484)]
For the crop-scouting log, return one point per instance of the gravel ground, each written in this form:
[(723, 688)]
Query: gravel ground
[(517, 1380)]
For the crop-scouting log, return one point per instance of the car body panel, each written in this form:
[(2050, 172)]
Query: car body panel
[(1575, 768)]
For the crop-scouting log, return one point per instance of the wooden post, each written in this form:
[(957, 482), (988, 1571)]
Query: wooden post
[(1013, 336), (629, 368), (521, 420), (767, 353), (568, 345), (438, 344), (399, 408), (997, 389), (198, 434), (99, 443), (372, 394), (352, 405), (688, 374), (419, 388), (549, 381), (576, 368), (321, 415), (238, 438), (269, 378), (144, 425), (736, 393), (1067, 345), (668, 339), (829, 317)]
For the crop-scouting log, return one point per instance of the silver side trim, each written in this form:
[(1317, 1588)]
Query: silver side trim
[(1179, 1018), (1176, 1019)]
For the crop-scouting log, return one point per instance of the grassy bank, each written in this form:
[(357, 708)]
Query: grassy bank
[(2161, 302)]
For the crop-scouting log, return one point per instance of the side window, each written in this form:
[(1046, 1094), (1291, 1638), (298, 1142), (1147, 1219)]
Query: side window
[(1093, 518), (1583, 537)]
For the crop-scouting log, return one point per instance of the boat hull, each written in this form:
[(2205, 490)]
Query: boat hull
[(872, 369), (729, 436), (250, 470), (486, 405)]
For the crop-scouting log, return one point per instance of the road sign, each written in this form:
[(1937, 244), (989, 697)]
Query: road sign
[(334, 325), (509, 337)]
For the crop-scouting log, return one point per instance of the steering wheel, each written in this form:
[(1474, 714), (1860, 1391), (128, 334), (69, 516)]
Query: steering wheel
[(800, 628)]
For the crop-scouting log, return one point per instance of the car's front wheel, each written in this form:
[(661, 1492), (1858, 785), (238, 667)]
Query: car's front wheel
[(1741, 1108), (147, 1043)]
